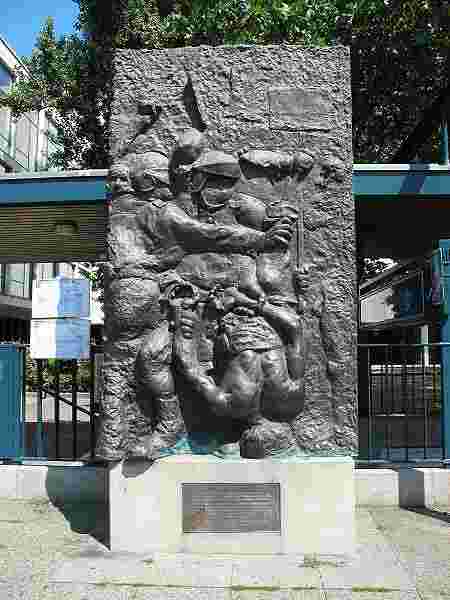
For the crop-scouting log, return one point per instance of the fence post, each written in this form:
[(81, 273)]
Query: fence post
[(39, 433), (444, 249), (11, 405)]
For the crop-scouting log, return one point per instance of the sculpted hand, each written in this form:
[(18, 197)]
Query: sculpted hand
[(301, 280), (185, 323), (234, 298), (185, 341), (280, 234)]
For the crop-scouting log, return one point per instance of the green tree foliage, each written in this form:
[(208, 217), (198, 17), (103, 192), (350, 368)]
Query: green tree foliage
[(399, 61), (310, 22), (399, 68), (54, 79)]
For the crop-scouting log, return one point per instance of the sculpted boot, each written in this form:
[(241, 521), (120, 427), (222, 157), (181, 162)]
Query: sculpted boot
[(169, 430), (170, 427)]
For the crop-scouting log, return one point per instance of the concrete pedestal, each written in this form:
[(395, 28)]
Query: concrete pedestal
[(312, 512)]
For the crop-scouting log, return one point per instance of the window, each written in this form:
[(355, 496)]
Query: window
[(403, 299), (48, 146), (5, 115), (17, 280), (44, 271), (26, 135), (4, 129), (5, 78)]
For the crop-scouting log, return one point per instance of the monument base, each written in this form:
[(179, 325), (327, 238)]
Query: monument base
[(206, 505)]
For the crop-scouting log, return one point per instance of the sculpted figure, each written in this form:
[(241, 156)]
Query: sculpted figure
[(144, 179), (261, 335), (119, 180), (177, 239)]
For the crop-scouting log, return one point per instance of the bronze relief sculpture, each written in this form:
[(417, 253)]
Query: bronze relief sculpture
[(230, 278), (230, 295)]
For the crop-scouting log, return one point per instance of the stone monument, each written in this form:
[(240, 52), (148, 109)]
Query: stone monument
[(229, 408)]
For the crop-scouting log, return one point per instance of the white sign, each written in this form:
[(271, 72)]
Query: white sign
[(61, 297), (60, 338)]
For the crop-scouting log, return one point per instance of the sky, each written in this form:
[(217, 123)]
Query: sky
[(21, 20)]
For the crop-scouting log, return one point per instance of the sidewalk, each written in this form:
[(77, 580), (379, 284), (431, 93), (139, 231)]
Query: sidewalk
[(50, 553)]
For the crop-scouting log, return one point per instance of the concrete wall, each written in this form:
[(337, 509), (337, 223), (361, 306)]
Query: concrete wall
[(85, 483), (54, 482)]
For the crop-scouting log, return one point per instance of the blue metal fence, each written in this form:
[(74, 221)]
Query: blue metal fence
[(12, 398), (48, 408)]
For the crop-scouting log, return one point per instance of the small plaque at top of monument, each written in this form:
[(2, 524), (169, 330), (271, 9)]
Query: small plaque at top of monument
[(300, 109), (231, 507)]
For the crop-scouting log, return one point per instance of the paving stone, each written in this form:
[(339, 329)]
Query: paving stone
[(260, 594), (255, 572), (374, 566), (421, 542), (275, 571), (121, 570), (307, 595), (379, 594), (181, 594), (37, 540), (194, 571), (294, 574), (65, 591)]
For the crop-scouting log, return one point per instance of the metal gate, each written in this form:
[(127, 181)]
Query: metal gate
[(56, 416), (400, 403)]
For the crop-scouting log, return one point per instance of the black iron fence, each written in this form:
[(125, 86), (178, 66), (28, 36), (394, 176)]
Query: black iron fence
[(399, 405), (61, 407), (400, 402)]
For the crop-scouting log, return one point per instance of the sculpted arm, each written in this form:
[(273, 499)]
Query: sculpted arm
[(196, 236)]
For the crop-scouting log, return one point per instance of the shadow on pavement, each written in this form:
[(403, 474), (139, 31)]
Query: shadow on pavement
[(87, 518), (79, 493)]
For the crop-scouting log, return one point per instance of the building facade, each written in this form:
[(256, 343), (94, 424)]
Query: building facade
[(25, 145)]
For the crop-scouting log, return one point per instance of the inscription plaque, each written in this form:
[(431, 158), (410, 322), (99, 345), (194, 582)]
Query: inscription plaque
[(299, 109), (231, 507)]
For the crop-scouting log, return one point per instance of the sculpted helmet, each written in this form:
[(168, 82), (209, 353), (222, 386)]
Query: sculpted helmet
[(219, 164), (153, 164)]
